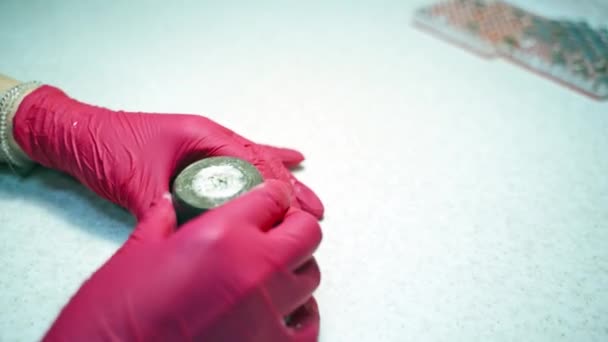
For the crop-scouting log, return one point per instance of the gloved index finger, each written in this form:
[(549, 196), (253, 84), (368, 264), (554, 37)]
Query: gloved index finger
[(309, 201), (157, 224), (296, 238), (289, 157), (263, 206)]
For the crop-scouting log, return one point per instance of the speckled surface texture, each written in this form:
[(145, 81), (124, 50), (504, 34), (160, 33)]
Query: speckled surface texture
[(485, 187)]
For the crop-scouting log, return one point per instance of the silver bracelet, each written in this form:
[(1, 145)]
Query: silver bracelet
[(7, 102)]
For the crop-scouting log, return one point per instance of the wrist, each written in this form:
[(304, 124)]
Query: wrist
[(10, 100), (17, 150)]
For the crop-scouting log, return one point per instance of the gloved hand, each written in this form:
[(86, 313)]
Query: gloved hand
[(231, 274), (130, 158)]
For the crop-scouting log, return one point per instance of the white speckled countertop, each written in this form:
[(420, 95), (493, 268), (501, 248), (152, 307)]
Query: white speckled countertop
[(467, 200)]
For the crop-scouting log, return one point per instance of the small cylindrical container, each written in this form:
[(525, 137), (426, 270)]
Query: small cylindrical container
[(211, 182)]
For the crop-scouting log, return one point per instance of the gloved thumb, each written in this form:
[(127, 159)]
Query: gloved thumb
[(157, 223)]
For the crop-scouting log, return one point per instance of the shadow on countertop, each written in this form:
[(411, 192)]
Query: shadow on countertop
[(64, 196)]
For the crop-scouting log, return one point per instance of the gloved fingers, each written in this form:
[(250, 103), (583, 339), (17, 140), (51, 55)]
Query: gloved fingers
[(304, 323), (157, 223), (308, 278), (275, 170), (223, 146), (262, 207), (289, 290), (289, 157), (296, 238), (234, 146), (307, 199)]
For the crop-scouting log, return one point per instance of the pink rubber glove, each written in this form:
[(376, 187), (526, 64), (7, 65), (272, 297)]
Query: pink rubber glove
[(226, 275), (130, 158)]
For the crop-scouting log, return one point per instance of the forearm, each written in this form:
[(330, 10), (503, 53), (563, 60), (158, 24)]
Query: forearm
[(7, 83)]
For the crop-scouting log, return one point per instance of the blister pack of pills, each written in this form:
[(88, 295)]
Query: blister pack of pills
[(570, 52)]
